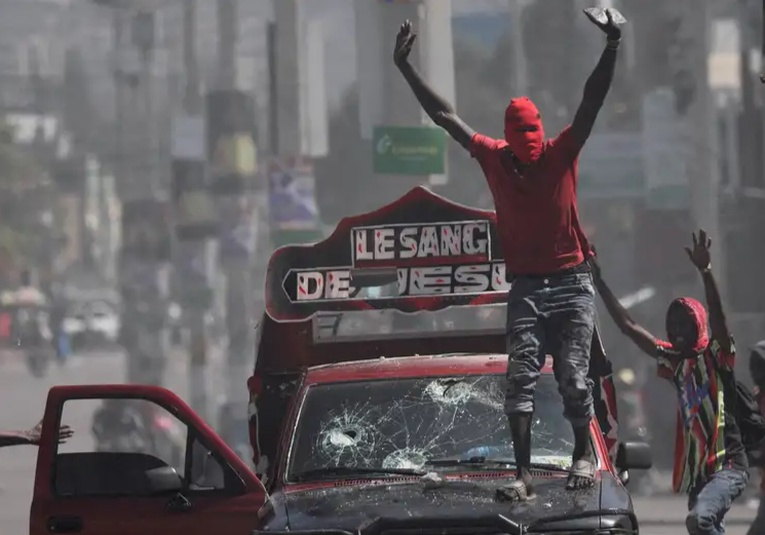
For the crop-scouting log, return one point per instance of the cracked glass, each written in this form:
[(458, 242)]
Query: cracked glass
[(402, 423)]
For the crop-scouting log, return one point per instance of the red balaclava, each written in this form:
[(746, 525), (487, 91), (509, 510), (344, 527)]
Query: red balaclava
[(524, 132)]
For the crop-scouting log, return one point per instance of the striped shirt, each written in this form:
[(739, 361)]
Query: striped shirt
[(707, 437)]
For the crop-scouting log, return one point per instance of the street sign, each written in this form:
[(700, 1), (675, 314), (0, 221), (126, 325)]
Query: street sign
[(409, 150), (292, 196)]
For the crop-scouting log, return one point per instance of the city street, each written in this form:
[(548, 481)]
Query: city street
[(24, 400), (23, 404)]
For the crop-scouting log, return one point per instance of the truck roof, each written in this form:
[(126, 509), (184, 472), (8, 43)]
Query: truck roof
[(412, 366)]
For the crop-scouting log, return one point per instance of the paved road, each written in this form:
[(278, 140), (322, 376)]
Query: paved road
[(24, 399)]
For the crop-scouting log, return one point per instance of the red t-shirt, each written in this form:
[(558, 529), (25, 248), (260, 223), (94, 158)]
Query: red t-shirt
[(537, 216)]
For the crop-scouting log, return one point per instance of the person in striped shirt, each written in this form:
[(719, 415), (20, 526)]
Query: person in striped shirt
[(710, 459)]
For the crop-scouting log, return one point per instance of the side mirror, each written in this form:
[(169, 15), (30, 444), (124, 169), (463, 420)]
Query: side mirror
[(163, 480), (634, 455)]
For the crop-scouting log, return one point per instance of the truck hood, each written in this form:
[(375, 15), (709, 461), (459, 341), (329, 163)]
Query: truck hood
[(349, 507)]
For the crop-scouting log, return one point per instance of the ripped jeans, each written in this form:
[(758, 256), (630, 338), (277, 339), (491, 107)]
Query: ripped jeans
[(709, 502), (555, 316)]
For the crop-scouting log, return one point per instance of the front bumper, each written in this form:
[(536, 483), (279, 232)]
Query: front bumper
[(487, 525)]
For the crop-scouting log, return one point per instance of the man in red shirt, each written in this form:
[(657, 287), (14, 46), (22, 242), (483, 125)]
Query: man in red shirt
[(551, 305)]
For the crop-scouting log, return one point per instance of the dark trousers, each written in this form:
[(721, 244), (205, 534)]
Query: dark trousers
[(551, 315), (708, 504)]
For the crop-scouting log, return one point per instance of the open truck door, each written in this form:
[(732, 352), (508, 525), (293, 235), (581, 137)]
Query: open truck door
[(414, 258), (133, 488)]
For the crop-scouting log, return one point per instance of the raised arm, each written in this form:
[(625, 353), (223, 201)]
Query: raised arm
[(597, 85), (702, 259), (31, 437), (642, 338), (438, 109)]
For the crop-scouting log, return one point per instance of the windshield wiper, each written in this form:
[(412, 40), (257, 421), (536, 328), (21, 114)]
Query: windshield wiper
[(483, 461), (354, 471)]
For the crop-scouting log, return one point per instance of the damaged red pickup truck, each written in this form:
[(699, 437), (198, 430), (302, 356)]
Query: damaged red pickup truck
[(376, 406)]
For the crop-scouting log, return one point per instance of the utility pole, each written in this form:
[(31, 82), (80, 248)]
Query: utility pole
[(702, 129), (386, 102), (119, 101), (153, 301), (239, 212), (299, 126), (194, 218), (142, 220)]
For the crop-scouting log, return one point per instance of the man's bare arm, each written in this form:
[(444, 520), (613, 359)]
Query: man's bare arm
[(595, 91), (438, 109), (31, 437), (14, 438), (596, 88), (717, 320), (701, 257), (635, 332)]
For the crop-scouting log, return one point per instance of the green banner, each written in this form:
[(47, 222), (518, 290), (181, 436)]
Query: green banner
[(409, 150)]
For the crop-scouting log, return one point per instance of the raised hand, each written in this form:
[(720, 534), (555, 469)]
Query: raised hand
[(33, 435), (609, 20), (700, 255), (404, 41)]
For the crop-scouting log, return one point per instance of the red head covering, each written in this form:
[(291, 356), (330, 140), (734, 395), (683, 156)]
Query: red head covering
[(699, 314), (524, 132)]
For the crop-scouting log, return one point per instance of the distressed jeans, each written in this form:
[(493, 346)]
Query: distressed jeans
[(708, 505), (552, 315)]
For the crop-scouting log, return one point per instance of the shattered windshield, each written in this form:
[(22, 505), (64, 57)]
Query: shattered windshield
[(404, 423)]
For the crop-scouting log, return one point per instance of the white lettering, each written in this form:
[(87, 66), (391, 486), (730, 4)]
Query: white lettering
[(470, 279), (431, 280), (408, 239), (338, 285), (450, 240), (403, 281), (436, 240), (499, 278), (472, 242), (385, 245), (310, 286), (362, 252), (428, 243), (335, 284)]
